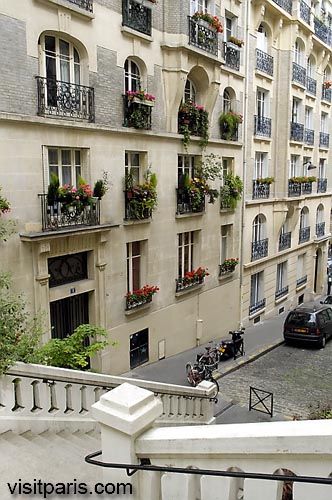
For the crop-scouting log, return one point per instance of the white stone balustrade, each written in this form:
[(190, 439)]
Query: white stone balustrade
[(42, 392), (301, 448)]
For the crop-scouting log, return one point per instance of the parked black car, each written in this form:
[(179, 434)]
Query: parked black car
[(327, 300), (309, 323)]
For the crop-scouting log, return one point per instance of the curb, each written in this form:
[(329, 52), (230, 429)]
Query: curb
[(252, 357)]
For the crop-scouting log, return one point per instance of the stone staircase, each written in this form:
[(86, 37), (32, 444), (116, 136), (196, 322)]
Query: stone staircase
[(50, 456)]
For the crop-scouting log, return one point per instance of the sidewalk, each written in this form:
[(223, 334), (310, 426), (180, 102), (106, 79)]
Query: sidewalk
[(259, 339)]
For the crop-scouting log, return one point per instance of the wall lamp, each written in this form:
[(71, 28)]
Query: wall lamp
[(309, 165)]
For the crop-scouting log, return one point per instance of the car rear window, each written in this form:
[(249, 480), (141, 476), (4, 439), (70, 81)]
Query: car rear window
[(303, 319)]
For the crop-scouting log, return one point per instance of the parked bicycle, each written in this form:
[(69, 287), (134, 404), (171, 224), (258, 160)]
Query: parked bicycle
[(198, 372), (232, 348), (210, 358)]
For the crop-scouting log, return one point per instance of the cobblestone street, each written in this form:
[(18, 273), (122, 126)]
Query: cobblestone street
[(297, 377)]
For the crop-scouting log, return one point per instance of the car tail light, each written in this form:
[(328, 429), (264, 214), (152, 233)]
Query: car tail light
[(318, 332)]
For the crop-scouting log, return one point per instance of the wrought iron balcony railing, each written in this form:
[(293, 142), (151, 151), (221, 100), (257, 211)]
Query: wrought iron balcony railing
[(186, 204), (299, 74), (257, 306), (224, 132), (196, 122), (304, 234), (294, 188), (264, 62), (326, 93), (130, 305), (305, 11), (83, 4), (260, 190), (309, 136), (306, 188), (61, 215), (262, 126), (321, 185), (184, 284), (301, 281), (135, 208), (137, 114), (232, 56), (281, 293), (324, 139), (322, 31), (137, 16), (58, 98), (320, 229), (259, 249), (285, 4), (297, 132), (203, 36), (285, 241), (311, 85)]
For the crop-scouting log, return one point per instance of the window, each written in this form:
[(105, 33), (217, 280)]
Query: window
[(132, 165), (62, 60), (227, 101), (323, 123), (322, 168), (227, 167), (132, 76), (294, 166), (296, 104), (304, 218), (66, 163), (320, 214), (297, 54), (260, 165), (189, 92), (261, 103), (262, 38), (310, 70), (225, 242), (281, 278), (133, 266), (198, 6), (256, 289), (186, 167), (185, 253), (139, 348), (258, 228), (300, 266), (308, 118)]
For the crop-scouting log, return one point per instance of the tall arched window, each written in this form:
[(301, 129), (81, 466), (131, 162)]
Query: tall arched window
[(189, 91), (304, 234), (62, 60), (227, 101), (132, 76), (258, 228), (259, 242), (320, 224), (262, 39)]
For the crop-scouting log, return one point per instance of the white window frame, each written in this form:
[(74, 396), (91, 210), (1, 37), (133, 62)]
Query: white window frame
[(261, 162), (320, 214), (77, 164), (322, 168), (256, 287), (189, 94), (199, 6), (296, 110), (298, 54), (294, 166), (132, 76), (227, 101), (133, 165), (308, 118), (304, 218), (262, 103), (186, 165), (262, 39), (300, 266), (258, 229), (134, 259), (72, 61), (281, 276), (225, 242), (186, 246), (324, 123)]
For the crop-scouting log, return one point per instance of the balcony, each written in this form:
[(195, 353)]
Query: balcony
[(305, 12), (186, 204), (135, 207), (281, 293), (322, 31), (190, 280), (309, 136), (296, 132), (306, 188), (137, 113), (257, 306), (262, 126), (259, 249), (83, 4), (285, 241), (304, 234), (294, 188), (321, 185), (287, 5), (232, 56), (299, 74), (311, 85), (193, 118), (138, 302), (137, 16), (264, 62), (228, 135), (326, 93), (260, 190), (320, 229), (203, 36), (60, 215), (62, 99), (324, 139), (301, 281)]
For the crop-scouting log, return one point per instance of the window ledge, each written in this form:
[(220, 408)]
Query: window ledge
[(189, 290), (301, 287), (257, 313), (225, 276), (189, 214), (134, 222), (281, 299), (264, 75), (129, 31), (72, 7), (138, 309)]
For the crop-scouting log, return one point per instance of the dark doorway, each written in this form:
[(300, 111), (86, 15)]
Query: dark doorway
[(139, 348), (69, 313)]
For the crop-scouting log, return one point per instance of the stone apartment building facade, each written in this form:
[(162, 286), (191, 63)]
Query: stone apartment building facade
[(70, 105)]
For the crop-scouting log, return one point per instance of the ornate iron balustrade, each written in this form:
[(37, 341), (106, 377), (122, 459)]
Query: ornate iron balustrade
[(224, 129), (136, 16), (232, 56), (137, 114), (135, 208), (320, 229), (305, 12), (285, 4), (297, 132), (311, 85), (309, 136), (264, 62), (324, 139), (281, 293), (294, 188), (304, 234), (322, 31), (302, 280), (299, 74), (260, 190), (58, 98), (133, 305), (285, 241), (84, 4), (259, 249), (257, 306), (183, 284), (60, 215), (326, 93), (262, 126), (196, 122), (203, 36), (306, 187), (321, 185), (185, 203)]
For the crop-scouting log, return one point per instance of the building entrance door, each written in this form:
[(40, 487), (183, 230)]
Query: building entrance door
[(67, 314)]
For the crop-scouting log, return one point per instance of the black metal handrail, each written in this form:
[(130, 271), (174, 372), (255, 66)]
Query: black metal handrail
[(285, 240), (326, 93), (69, 100), (186, 284), (294, 188), (84, 4), (202, 36), (232, 56), (285, 4), (260, 190), (137, 113), (264, 62), (281, 293), (304, 234), (299, 74), (320, 229), (297, 131), (324, 139), (259, 249), (322, 31), (305, 11), (309, 136), (145, 465), (185, 203), (321, 185), (60, 215), (257, 306), (137, 16), (311, 85), (262, 126), (302, 280)]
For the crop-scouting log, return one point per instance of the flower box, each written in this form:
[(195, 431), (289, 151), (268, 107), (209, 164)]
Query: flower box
[(232, 45), (142, 101)]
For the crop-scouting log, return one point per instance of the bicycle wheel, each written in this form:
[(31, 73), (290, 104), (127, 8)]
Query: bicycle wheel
[(190, 374)]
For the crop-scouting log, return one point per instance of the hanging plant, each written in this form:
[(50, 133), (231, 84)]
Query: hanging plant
[(229, 123)]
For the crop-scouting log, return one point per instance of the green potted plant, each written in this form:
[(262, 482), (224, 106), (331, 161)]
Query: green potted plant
[(4, 205), (229, 265), (229, 123), (231, 191), (235, 41), (212, 21), (101, 187), (53, 189), (265, 180)]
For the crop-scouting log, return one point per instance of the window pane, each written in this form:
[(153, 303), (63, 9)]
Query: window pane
[(136, 248), (53, 156), (66, 175), (66, 157)]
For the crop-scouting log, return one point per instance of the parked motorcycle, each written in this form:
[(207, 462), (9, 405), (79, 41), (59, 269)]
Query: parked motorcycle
[(232, 348)]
